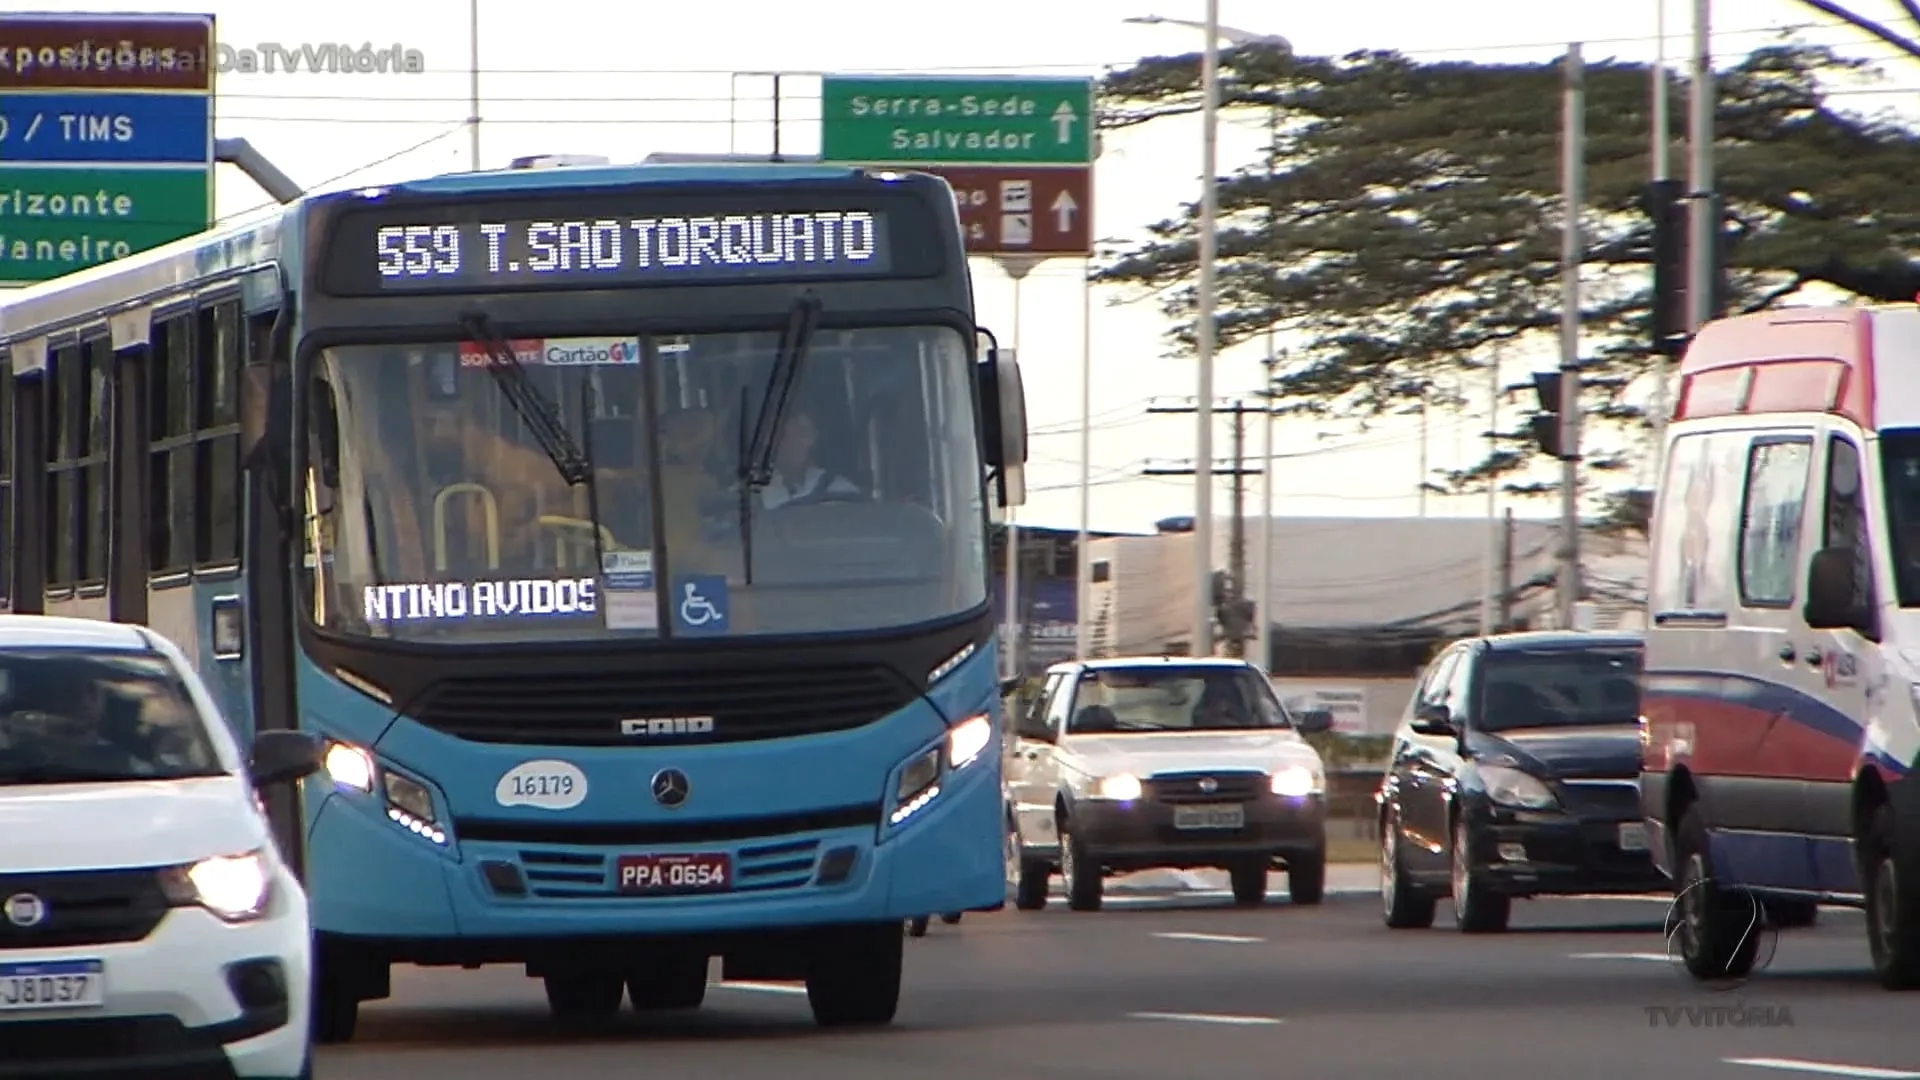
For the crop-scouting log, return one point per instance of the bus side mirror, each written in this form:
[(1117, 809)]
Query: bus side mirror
[(1003, 405)]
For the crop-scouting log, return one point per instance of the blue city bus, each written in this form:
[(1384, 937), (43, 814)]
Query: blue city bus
[(622, 531)]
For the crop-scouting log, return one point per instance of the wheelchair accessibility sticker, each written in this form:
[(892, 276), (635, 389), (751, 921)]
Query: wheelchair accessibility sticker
[(700, 604)]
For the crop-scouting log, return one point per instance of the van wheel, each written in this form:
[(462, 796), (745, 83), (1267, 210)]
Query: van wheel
[(1477, 909), (917, 927), (1713, 930), (1893, 905), (335, 1011), (1084, 884), (1405, 905)]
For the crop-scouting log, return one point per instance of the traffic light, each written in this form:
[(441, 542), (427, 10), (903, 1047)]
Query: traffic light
[(1669, 209), (1666, 206), (1548, 430)]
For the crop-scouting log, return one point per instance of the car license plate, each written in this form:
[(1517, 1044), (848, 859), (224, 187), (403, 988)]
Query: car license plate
[(54, 984), (1217, 816), (1633, 836), (697, 872)]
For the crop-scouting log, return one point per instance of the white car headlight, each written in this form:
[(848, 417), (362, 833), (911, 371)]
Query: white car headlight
[(234, 887), (968, 739), (1297, 782), (1511, 787), (1124, 787), (350, 767)]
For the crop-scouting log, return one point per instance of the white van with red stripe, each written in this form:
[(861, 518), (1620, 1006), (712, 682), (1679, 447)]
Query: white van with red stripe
[(1783, 643)]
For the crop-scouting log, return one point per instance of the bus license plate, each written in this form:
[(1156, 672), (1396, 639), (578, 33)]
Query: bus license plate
[(55, 984), (1217, 816), (698, 872), (1633, 836)]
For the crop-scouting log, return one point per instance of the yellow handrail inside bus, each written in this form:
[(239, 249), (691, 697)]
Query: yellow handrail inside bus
[(489, 506), (570, 525)]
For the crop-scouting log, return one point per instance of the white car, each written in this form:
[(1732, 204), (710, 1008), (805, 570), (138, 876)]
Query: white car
[(147, 921)]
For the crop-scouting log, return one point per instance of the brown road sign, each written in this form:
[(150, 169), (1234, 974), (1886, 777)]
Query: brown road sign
[(106, 52), (1023, 209)]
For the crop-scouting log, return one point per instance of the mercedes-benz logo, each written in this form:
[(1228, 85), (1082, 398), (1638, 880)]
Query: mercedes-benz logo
[(1208, 785), (26, 910), (670, 788)]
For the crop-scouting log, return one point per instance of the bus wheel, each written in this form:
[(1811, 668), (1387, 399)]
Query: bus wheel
[(678, 983), (855, 981), (1893, 906), (335, 1014), (584, 997), (952, 919), (1713, 930), (917, 926)]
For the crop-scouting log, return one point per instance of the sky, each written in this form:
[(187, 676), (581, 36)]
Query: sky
[(625, 80)]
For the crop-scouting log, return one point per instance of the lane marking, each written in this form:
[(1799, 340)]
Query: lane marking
[(1655, 957), (763, 987), (1224, 939), (1208, 1018), (1827, 1068)]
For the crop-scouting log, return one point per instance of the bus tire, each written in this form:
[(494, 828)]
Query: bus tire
[(855, 981), (677, 983), (335, 1012), (584, 996), (917, 926), (1893, 904), (952, 918)]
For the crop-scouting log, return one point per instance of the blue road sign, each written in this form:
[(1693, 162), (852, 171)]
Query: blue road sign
[(106, 129)]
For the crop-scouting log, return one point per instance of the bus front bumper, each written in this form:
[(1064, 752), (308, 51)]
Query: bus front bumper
[(495, 899)]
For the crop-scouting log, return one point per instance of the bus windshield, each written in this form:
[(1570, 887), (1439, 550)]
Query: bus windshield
[(434, 514)]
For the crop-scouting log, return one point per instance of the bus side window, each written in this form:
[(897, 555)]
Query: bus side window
[(1845, 524)]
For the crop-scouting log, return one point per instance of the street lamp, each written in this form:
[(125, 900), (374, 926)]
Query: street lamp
[(1204, 330)]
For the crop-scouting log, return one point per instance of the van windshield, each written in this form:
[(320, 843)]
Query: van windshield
[(1900, 471)]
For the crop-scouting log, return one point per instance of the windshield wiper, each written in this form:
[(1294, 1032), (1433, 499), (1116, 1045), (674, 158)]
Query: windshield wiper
[(541, 416), (757, 444)]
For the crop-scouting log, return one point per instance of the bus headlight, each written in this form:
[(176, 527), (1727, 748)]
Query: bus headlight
[(919, 785), (350, 767), (968, 739)]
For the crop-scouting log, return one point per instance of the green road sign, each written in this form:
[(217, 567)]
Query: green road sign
[(930, 120), (54, 221)]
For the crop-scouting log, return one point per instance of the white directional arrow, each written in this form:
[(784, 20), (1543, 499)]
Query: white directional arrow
[(1063, 208), (1063, 120)]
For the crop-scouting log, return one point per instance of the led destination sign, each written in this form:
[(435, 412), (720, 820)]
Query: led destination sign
[(628, 241)]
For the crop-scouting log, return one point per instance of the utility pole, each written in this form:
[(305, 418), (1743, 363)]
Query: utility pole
[(473, 85), (1489, 611), (1237, 538), (1574, 135), (1702, 254), (1016, 267), (1657, 153), (1233, 625), (1505, 598)]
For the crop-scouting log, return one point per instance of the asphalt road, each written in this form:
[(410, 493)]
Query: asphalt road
[(1173, 981)]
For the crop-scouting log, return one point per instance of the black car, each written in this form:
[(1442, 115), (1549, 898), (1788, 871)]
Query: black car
[(1515, 774)]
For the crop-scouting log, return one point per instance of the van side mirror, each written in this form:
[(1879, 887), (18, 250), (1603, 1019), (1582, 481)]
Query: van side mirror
[(1011, 685), (1030, 726), (1314, 722), (282, 756), (1433, 720), (1832, 588)]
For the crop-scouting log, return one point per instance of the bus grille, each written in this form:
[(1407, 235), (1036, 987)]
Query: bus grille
[(85, 907), (582, 875), (589, 709)]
